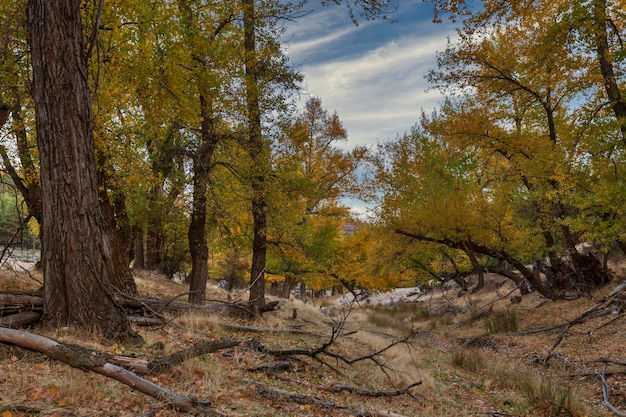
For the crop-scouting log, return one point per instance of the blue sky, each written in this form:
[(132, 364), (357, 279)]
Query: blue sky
[(371, 74)]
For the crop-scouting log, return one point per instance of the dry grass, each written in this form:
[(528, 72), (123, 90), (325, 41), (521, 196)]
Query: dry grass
[(458, 347)]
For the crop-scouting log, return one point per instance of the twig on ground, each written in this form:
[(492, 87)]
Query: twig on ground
[(606, 393), (268, 392), (240, 328), (355, 390)]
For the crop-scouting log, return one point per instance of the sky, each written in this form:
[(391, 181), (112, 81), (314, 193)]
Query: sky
[(372, 74)]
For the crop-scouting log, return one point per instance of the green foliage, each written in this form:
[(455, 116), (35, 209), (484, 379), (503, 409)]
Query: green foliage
[(311, 175)]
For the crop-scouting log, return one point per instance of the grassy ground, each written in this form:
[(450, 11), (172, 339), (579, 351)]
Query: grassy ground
[(459, 348)]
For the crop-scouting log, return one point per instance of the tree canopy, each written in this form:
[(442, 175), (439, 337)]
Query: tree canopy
[(205, 157)]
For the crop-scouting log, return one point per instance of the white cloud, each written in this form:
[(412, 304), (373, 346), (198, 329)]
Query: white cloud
[(302, 47), (379, 93)]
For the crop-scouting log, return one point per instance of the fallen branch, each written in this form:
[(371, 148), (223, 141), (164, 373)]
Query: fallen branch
[(272, 368), (96, 361), (272, 393), (354, 390), (146, 321), (165, 363), (606, 393), (592, 312), (19, 319), (18, 302), (249, 329)]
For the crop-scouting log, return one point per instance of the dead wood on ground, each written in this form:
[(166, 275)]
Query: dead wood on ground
[(272, 393), (19, 319), (612, 303), (100, 362), (249, 329), (406, 390)]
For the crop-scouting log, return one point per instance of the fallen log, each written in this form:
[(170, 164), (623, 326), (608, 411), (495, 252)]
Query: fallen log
[(165, 363), (19, 319), (18, 302), (146, 321), (96, 361)]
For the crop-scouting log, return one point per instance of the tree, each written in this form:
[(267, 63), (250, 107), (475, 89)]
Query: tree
[(586, 38), (313, 174), (530, 113), (77, 260), (258, 152), (431, 194), (21, 164), (204, 144), (267, 81)]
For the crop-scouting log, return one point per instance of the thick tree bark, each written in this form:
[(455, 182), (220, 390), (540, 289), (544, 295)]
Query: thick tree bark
[(77, 257), (257, 152)]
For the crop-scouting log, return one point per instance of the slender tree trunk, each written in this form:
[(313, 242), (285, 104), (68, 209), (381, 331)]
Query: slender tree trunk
[(197, 228), (77, 258), (155, 237), (125, 231), (27, 181), (604, 56), (478, 269), (140, 250), (258, 154), (287, 286), (122, 278), (274, 291)]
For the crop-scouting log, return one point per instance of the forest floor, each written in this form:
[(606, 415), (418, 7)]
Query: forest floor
[(462, 350)]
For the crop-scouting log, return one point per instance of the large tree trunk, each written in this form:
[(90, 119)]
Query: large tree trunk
[(77, 257), (257, 152)]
